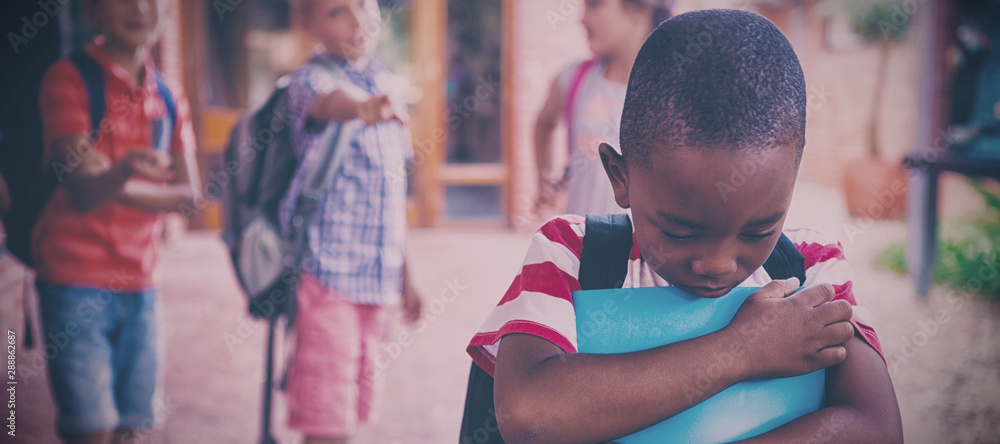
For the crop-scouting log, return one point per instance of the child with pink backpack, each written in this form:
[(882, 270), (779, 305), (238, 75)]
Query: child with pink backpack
[(588, 96)]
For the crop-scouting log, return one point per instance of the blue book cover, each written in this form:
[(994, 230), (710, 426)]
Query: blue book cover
[(627, 320)]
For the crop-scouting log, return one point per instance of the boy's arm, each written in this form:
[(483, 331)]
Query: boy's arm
[(860, 405), (153, 197), (350, 102), (546, 395), (545, 126), (182, 189), (90, 180), (412, 301)]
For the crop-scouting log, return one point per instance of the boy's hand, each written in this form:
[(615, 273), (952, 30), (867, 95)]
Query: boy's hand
[(147, 164), (548, 189), (381, 109), (413, 304), (793, 335)]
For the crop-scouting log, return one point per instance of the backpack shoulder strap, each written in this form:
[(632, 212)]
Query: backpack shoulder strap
[(164, 139), (93, 80), (786, 261), (320, 175), (574, 91), (607, 243), (167, 96)]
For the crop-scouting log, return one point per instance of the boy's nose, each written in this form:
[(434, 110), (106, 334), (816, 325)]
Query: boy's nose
[(361, 16), (715, 266)]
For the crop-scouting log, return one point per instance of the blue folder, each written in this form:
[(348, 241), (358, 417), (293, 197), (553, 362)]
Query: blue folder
[(627, 320)]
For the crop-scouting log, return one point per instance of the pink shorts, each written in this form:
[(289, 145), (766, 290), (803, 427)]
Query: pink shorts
[(332, 383)]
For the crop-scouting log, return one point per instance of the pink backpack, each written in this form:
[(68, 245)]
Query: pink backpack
[(574, 90)]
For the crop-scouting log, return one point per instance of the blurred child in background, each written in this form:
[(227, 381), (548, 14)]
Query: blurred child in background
[(355, 264), (588, 97), (96, 242)]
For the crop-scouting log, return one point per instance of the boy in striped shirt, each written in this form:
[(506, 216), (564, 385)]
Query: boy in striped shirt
[(690, 119)]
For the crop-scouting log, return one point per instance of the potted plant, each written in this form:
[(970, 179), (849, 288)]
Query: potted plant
[(873, 187)]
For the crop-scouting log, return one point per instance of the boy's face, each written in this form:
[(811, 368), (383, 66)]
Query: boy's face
[(349, 29), (127, 23), (706, 219)]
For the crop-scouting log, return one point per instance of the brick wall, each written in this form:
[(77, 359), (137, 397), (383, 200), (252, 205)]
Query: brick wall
[(841, 85), (546, 37)]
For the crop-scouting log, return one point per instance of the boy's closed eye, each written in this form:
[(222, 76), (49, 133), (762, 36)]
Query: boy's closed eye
[(752, 236), (759, 236), (337, 12)]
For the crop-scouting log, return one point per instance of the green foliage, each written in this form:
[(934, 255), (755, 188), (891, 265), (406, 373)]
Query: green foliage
[(875, 20), (968, 260), (892, 258)]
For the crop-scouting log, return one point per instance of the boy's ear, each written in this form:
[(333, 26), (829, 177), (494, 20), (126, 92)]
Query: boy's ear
[(614, 166)]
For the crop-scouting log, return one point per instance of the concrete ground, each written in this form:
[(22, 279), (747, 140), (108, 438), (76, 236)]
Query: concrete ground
[(944, 352)]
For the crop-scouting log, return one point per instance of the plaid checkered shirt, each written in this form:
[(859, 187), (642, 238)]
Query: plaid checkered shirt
[(356, 240)]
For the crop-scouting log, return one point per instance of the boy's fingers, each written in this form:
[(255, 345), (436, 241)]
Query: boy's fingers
[(365, 113), (401, 115), (151, 173), (834, 311), (778, 288), (831, 356), (837, 334), (817, 294)]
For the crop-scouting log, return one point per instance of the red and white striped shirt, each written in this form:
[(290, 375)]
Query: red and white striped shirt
[(539, 302)]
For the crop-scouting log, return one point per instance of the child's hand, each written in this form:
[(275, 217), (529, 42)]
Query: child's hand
[(413, 304), (793, 335), (548, 189), (147, 164), (381, 109)]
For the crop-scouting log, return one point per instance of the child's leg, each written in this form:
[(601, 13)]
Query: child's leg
[(322, 389), (75, 323), (374, 361), (136, 357)]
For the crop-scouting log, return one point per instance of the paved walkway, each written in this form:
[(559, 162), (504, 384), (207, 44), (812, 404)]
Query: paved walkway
[(943, 352)]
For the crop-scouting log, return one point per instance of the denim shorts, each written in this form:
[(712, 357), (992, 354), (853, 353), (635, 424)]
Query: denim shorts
[(103, 356)]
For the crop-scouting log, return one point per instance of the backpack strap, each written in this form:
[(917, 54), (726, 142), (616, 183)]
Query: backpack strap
[(93, 80), (319, 176), (607, 242), (569, 111), (162, 140), (786, 261)]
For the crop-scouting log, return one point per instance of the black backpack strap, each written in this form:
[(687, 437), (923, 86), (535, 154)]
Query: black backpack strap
[(479, 419), (607, 243), (93, 80), (786, 261)]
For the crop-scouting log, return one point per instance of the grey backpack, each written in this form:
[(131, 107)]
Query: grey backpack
[(258, 165), (259, 162)]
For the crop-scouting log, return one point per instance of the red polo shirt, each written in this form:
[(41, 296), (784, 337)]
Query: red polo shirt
[(114, 246)]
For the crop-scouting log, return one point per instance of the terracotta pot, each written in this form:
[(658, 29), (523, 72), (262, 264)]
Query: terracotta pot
[(874, 188)]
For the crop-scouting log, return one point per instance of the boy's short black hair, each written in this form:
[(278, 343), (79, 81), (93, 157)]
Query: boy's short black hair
[(711, 79)]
